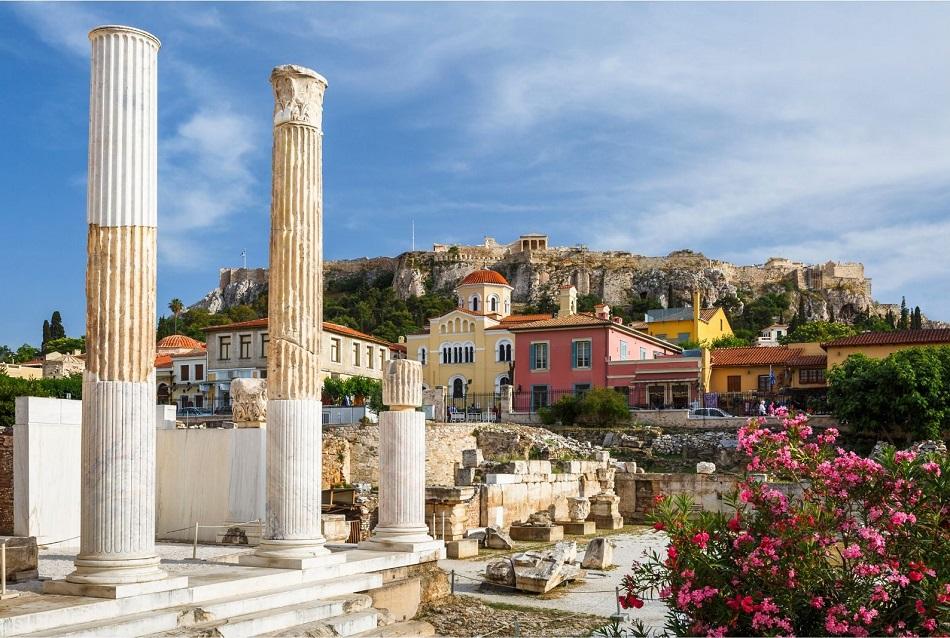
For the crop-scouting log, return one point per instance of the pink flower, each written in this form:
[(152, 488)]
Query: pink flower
[(919, 606), (851, 551), (930, 624), (905, 456), (701, 539), (671, 552), (817, 602), (931, 467)]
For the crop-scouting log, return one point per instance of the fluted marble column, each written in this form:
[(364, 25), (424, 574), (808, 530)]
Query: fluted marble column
[(402, 463), (295, 306), (118, 420)]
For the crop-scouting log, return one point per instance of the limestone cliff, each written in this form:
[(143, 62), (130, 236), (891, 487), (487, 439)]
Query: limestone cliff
[(831, 289)]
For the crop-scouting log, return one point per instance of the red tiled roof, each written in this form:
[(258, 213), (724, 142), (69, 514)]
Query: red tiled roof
[(179, 341), (485, 276), (893, 338), (519, 320), (583, 320), (163, 361), (754, 356), (327, 325), (706, 314), (808, 361), (197, 352)]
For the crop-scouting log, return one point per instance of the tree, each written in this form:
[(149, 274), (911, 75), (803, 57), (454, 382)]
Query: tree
[(7, 355), (916, 321), (56, 329), (818, 331), (66, 345), (729, 341), (26, 352), (890, 319), (176, 306), (904, 322), (905, 394), (46, 336), (11, 387)]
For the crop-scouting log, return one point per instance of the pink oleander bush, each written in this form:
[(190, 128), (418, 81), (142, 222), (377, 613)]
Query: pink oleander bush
[(833, 544)]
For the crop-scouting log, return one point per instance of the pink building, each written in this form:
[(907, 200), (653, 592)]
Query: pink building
[(574, 352)]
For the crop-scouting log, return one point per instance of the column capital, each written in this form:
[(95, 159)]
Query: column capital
[(118, 29), (402, 384), (298, 95)]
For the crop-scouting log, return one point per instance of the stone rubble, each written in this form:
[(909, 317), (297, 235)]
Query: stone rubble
[(599, 554), (537, 571)]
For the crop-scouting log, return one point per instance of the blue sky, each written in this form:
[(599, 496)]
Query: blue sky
[(744, 131)]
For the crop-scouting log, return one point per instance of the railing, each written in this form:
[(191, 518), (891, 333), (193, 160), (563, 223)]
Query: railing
[(473, 408)]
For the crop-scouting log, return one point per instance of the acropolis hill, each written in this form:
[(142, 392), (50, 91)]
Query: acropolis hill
[(536, 270)]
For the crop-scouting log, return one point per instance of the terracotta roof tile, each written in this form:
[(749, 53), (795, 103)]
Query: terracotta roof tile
[(894, 338), (706, 314), (178, 341), (163, 361), (485, 276), (808, 361), (327, 325), (754, 356)]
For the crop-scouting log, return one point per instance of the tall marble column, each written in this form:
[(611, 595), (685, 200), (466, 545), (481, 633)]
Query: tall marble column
[(292, 536), (402, 463), (117, 546)]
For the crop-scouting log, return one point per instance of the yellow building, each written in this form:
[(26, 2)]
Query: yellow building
[(767, 368), (470, 350), (878, 345), (690, 324)]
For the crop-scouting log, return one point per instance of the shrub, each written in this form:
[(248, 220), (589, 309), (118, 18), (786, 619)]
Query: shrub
[(565, 411), (11, 387), (864, 549), (603, 406)]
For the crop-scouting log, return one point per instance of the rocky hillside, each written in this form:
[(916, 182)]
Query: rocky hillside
[(826, 291)]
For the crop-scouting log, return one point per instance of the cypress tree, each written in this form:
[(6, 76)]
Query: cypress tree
[(45, 334), (916, 321), (889, 318), (904, 322), (56, 329)]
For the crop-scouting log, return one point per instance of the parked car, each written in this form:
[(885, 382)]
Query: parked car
[(192, 411), (709, 413)]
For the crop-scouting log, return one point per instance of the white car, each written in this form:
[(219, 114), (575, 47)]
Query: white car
[(709, 413)]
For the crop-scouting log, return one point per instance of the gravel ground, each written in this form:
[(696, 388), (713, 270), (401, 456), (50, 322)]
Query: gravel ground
[(463, 616), (595, 596)]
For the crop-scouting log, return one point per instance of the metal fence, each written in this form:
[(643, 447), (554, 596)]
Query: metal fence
[(747, 403), (473, 408)]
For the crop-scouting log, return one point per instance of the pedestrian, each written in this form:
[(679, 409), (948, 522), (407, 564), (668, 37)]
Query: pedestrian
[(762, 410)]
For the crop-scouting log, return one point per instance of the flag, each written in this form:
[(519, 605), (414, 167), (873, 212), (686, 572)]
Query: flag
[(771, 378)]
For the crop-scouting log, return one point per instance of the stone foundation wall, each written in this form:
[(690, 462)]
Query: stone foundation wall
[(444, 445), (637, 491), (679, 419), (6, 482), (336, 461)]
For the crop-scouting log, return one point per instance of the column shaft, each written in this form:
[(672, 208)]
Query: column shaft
[(295, 309), (402, 477), (118, 430)]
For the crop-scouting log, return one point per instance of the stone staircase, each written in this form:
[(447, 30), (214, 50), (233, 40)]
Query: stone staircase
[(228, 602)]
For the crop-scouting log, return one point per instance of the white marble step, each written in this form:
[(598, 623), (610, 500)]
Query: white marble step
[(345, 616), (407, 628), (351, 624), (160, 620)]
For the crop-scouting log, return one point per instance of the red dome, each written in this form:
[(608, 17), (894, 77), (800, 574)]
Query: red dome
[(485, 277), (179, 341)]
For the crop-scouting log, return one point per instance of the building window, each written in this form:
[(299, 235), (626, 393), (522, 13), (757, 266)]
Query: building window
[(184, 373), (446, 354), (811, 376), (422, 356), (734, 383), (245, 345), (199, 401), (335, 350), (356, 354), (369, 357), (581, 358), (656, 395), (682, 337), (224, 348), (265, 341), (539, 395), (200, 372), (475, 303), (680, 395), (458, 389), (382, 358), (493, 304), (539, 357), (504, 351), (764, 383), (643, 354), (623, 350), (507, 307), (581, 388)]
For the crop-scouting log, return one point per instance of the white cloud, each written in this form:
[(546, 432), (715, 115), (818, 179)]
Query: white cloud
[(61, 25)]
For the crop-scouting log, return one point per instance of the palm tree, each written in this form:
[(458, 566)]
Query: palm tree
[(176, 306)]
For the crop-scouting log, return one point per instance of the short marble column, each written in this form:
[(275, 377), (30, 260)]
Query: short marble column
[(292, 535), (402, 464), (117, 547)]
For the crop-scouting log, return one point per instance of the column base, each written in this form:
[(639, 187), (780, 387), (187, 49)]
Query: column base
[(292, 554), (118, 571), (387, 545), (413, 539)]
